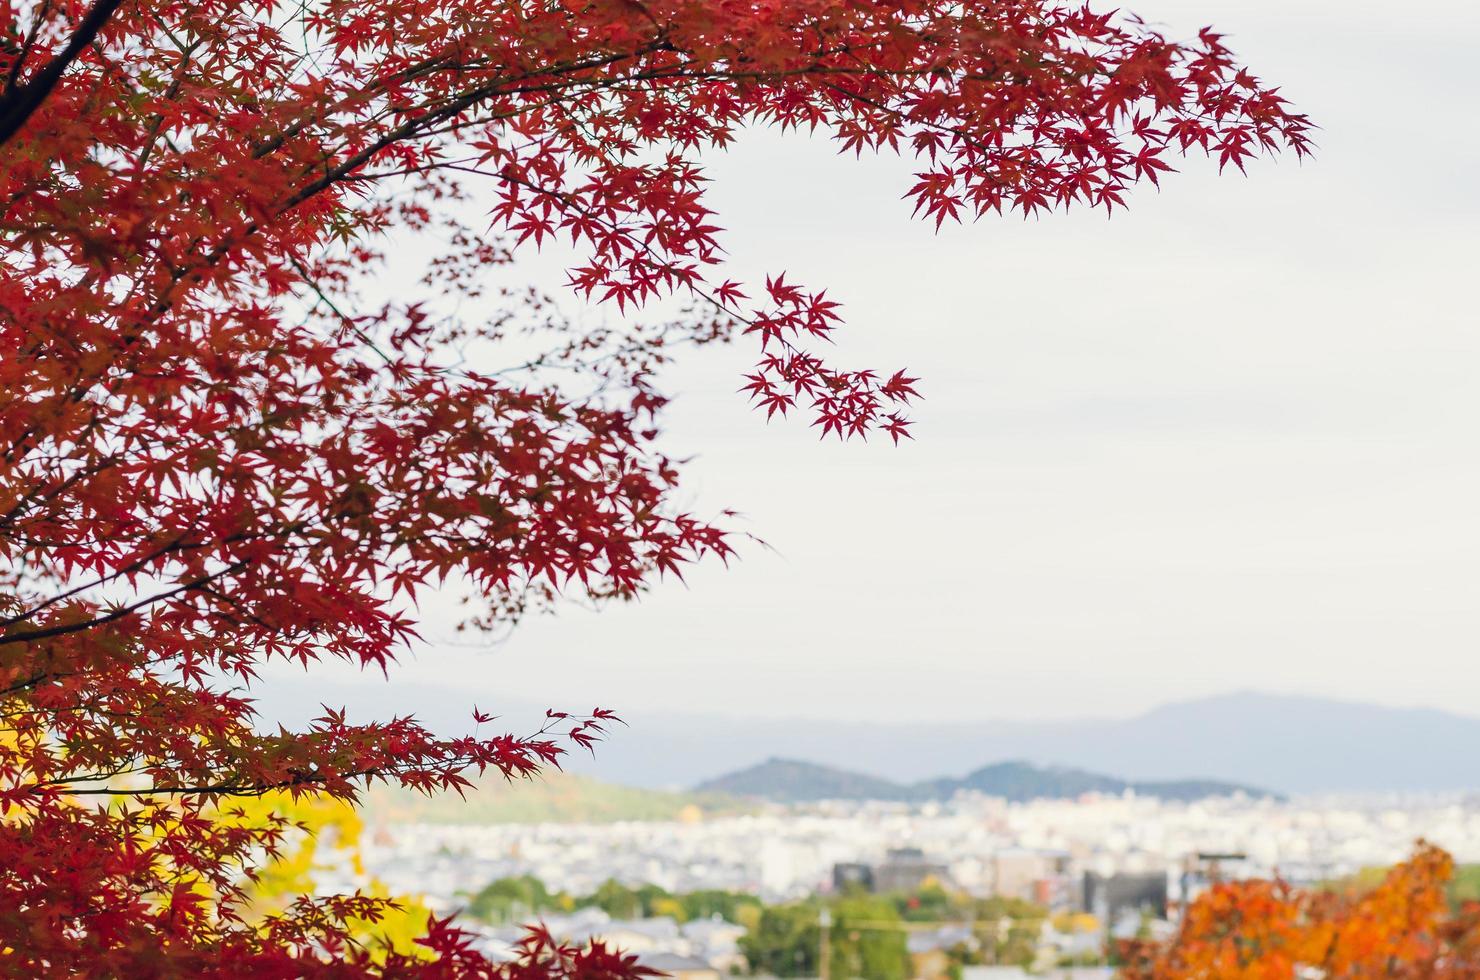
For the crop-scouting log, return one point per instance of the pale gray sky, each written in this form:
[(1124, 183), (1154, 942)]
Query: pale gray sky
[(1224, 440)]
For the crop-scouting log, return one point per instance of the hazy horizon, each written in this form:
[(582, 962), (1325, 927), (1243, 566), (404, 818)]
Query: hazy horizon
[(1244, 738)]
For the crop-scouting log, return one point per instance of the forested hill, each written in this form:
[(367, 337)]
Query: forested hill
[(793, 781), (550, 798)]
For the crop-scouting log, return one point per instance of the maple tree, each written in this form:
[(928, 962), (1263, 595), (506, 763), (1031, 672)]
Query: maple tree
[(215, 452), (1268, 930)]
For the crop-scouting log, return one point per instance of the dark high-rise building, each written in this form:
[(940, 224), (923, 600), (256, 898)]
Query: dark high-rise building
[(1108, 897), (852, 877), (905, 869)]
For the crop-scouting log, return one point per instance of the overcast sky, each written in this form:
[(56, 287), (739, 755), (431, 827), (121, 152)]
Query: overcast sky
[(1227, 439)]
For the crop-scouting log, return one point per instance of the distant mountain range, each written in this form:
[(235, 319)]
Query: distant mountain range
[(792, 781), (557, 797), (1285, 743), (1292, 745)]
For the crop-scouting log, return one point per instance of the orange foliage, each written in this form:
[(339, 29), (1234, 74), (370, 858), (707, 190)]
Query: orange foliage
[(1268, 930)]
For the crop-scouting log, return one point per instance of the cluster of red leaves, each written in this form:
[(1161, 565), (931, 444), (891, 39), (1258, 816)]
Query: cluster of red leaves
[(214, 453), (1267, 930)]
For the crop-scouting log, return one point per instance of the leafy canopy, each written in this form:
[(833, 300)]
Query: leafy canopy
[(215, 453), (1403, 926)]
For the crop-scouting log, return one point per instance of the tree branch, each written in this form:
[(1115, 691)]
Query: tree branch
[(17, 105)]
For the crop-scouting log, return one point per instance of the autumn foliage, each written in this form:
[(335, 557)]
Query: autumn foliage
[(1267, 930), (216, 451)]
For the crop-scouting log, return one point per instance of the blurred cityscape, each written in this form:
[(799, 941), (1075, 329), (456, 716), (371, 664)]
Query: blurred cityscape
[(972, 887)]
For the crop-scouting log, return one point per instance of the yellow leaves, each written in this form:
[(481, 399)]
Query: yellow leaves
[(670, 907), (323, 821), (328, 838), (1077, 922)]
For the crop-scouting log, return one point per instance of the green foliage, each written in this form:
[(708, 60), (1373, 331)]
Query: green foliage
[(931, 903), (868, 940), (998, 908), (513, 900), (736, 907), (1465, 885), (510, 900), (786, 942), (1004, 930), (1019, 945), (622, 902)]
